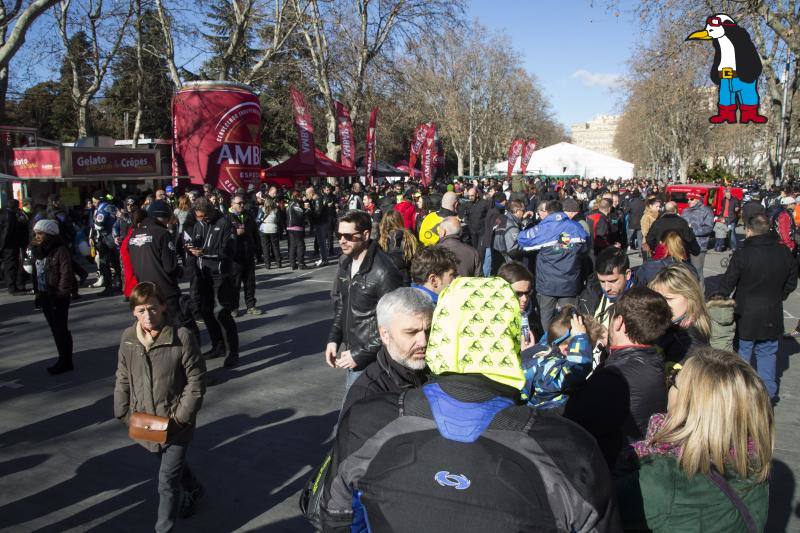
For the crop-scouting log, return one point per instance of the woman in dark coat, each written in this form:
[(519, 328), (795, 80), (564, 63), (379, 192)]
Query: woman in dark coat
[(53, 281)]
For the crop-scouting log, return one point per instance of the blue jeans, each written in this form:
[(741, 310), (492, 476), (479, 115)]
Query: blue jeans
[(732, 228), (487, 262), (733, 89), (766, 353)]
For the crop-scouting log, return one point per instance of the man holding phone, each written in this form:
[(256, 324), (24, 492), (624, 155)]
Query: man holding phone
[(364, 276)]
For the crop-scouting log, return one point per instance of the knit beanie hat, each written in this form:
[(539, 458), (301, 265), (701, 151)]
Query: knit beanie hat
[(48, 227)]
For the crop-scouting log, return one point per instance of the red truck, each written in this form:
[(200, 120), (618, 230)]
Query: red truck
[(712, 195)]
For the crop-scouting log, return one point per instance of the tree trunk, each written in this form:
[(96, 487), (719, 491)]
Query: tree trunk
[(137, 124), (460, 160), (82, 118), (3, 91)]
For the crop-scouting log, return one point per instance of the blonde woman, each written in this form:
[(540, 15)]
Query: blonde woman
[(398, 242), (704, 464), (691, 324), (669, 251)]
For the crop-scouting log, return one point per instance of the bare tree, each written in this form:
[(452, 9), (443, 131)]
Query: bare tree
[(325, 27), (98, 25), (15, 21)]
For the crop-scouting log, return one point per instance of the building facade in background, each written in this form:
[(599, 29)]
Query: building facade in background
[(597, 134)]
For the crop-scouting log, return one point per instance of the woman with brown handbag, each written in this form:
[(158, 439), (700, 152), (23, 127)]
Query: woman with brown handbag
[(158, 392)]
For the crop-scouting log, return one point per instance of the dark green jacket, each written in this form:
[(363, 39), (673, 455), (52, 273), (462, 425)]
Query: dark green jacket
[(660, 497)]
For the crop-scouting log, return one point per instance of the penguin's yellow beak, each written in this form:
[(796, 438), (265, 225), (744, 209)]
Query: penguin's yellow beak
[(701, 35)]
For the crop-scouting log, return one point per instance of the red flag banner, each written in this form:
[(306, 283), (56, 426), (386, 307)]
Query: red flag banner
[(420, 134), (346, 139), (305, 128), (428, 155), (372, 138), (513, 154), (527, 153)]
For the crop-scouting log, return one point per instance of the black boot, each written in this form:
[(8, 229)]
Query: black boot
[(214, 352), (60, 367), (231, 361)]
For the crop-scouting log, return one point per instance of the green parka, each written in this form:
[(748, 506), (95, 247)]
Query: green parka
[(660, 497), (166, 380)]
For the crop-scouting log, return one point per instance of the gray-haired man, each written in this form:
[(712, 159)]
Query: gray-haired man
[(404, 321)]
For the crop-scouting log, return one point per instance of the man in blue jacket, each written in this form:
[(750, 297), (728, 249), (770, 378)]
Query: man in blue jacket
[(561, 244)]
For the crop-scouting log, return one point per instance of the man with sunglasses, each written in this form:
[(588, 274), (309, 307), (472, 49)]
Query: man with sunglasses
[(244, 260), (365, 274)]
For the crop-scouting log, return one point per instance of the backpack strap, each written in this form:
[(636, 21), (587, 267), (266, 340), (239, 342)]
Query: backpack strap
[(737, 502)]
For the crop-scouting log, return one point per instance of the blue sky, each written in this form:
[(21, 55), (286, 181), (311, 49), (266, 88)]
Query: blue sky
[(576, 48)]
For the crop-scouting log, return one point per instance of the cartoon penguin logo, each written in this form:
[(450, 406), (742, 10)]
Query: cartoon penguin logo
[(736, 69)]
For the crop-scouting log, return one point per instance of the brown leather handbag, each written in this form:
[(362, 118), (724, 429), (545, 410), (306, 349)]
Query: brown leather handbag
[(142, 426)]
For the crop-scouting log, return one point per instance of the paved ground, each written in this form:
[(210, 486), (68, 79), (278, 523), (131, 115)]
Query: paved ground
[(67, 465)]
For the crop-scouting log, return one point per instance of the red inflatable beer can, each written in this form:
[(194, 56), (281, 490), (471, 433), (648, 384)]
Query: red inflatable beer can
[(216, 134)]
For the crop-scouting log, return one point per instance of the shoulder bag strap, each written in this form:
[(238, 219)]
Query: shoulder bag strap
[(737, 502)]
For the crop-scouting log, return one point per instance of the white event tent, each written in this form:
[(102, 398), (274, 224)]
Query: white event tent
[(569, 159)]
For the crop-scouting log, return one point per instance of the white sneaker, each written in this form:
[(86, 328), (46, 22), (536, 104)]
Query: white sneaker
[(99, 282), (318, 263)]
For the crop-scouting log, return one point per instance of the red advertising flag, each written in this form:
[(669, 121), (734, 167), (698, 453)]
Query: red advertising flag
[(372, 143), (345, 127), (428, 153), (305, 128), (420, 134), (527, 153), (513, 154)]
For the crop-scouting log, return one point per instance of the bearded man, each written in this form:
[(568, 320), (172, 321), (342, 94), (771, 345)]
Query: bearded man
[(404, 322)]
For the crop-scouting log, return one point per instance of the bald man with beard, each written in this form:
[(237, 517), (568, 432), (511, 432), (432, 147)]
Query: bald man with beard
[(469, 263)]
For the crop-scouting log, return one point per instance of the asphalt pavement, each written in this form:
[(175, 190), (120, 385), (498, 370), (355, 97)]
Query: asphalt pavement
[(67, 465)]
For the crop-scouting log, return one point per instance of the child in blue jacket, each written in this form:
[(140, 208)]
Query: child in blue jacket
[(554, 369)]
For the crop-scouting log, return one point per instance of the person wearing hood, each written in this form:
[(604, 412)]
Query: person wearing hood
[(419, 460), (53, 282), (404, 323)]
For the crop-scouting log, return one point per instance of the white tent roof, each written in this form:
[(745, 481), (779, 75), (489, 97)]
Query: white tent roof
[(566, 158)]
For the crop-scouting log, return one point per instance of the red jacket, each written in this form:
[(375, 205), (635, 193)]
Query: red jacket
[(409, 212), (130, 280)]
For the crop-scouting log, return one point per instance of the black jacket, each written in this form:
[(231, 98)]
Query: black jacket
[(618, 399), (525, 470), (354, 320), (152, 253), (673, 222), (247, 242), (295, 214), (384, 375), (763, 273), (635, 210), (216, 238), (492, 216)]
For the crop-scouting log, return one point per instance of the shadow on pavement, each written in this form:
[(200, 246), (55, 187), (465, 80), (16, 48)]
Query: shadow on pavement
[(56, 426), (247, 464), (781, 497), (21, 463)]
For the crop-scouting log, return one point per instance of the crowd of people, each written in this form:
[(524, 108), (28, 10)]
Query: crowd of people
[(494, 339)]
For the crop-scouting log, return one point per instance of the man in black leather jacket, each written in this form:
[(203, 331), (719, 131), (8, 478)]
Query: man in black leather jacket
[(364, 276), (214, 246), (623, 393)]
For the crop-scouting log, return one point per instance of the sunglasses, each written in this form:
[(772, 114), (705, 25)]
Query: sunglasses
[(349, 237), (520, 294), (716, 21)]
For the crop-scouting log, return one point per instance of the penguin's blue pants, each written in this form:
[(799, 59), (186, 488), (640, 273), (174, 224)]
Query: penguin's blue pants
[(733, 89)]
